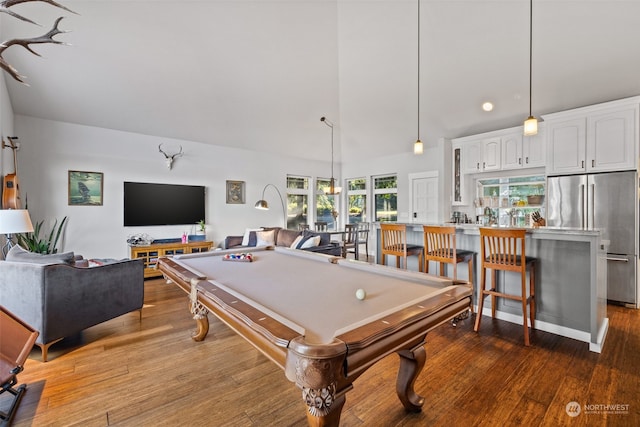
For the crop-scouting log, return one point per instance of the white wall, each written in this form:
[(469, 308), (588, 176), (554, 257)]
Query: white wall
[(6, 126), (50, 149), (435, 158)]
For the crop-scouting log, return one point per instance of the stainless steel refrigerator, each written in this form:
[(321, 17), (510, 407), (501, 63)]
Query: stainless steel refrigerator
[(606, 201)]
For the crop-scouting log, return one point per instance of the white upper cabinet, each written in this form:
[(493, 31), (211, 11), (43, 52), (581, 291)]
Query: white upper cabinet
[(566, 146), (481, 155), (472, 157), (611, 140), (520, 151), (491, 154), (512, 151), (534, 149), (600, 138)]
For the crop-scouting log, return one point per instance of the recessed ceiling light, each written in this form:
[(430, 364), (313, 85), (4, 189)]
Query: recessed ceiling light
[(487, 106)]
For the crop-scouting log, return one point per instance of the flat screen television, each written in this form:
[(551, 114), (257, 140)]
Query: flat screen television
[(162, 204)]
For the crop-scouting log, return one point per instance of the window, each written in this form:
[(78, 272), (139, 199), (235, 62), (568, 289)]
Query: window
[(385, 192), (510, 201), (297, 201), (325, 204), (357, 200)]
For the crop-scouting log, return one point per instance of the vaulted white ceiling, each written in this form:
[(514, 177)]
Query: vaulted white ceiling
[(259, 74)]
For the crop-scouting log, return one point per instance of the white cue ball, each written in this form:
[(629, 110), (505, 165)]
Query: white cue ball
[(361, 294)]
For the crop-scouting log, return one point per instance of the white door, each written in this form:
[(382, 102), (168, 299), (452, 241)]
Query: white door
[(424, 197)]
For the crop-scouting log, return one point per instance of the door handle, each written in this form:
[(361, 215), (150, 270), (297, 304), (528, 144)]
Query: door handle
[(610, 258), (519, 160)]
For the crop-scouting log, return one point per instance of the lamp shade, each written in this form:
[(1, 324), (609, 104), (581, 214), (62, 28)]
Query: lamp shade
[(262, 205), (530, 126), (15, 221), (418, 147)]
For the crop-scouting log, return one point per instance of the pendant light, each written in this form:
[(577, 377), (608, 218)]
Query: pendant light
[(531, 124), (418, 146), (332, 189)]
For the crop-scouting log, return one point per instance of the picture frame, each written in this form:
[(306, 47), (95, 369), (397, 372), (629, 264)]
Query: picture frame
[(235, 192), (85, 188)]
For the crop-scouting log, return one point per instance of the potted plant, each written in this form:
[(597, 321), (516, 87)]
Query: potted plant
[(201, 231), (45, 244)]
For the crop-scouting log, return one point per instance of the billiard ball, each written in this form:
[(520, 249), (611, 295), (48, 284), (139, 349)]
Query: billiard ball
[(361, 294)]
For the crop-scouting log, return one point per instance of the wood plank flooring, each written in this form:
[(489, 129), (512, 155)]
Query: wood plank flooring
[(128, 372)]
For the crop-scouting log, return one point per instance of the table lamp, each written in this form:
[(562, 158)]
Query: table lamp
[(13, 221)]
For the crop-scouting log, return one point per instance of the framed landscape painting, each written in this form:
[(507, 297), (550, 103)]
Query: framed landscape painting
[(235, 192), (85, 188)]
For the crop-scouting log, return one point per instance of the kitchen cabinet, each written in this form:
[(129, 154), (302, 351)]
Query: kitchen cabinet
[(601, 138), (520, 151), (472, 157), (482, 155)]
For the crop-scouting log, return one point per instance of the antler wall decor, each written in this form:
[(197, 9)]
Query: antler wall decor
[(170, 157), (45, 38)]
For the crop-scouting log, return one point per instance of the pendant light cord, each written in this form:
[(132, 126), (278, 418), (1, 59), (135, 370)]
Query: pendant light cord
[(418, 70), (530, 53)]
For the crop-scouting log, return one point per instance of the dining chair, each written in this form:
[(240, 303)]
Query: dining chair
[(362, 238), (350, 240), (321, 225), (394, 242), (504, 249)]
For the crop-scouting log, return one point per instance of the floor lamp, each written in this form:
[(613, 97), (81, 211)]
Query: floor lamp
[(263, 205), (13, 221)]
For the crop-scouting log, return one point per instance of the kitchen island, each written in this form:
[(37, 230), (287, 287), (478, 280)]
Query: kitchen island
[(571, 279)]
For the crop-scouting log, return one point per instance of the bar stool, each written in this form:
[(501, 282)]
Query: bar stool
[(499, 251), (440, 247), (394, 242)]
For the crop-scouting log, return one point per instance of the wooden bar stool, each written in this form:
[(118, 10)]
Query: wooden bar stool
[(499, 251), (394, 242), (440, 247)]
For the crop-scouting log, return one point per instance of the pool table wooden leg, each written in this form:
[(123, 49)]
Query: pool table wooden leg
[(200, 313), (332, 419), (411, 364)]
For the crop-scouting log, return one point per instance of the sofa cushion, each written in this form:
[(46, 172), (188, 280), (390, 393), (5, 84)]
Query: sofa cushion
[(325, 238), (286, 237), (249, 238), (266, 238), (18, 254), (308, 242)]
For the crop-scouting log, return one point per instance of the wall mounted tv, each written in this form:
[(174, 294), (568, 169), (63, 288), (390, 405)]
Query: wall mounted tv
[(162, 204)]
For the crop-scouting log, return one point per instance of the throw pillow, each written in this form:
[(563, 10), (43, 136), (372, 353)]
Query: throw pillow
[(247, 236), (18, 254), (308, 242), (295, 243), (266, 238)]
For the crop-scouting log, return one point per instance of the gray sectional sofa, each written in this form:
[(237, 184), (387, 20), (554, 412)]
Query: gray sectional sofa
[(59, 297), (286, 238)]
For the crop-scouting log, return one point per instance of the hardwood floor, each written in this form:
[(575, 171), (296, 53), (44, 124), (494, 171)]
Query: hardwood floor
[(127, 372)]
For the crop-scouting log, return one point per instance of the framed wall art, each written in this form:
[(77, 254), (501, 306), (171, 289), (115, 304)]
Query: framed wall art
[(235, 192), (85, 188)]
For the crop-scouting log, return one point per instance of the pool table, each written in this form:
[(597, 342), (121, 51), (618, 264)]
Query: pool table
[(301, 311)]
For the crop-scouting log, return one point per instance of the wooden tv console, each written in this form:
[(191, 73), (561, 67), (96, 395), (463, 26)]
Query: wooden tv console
[(150, 253)]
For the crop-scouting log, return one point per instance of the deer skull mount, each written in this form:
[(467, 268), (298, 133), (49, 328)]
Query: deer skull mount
[(170, 157)]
